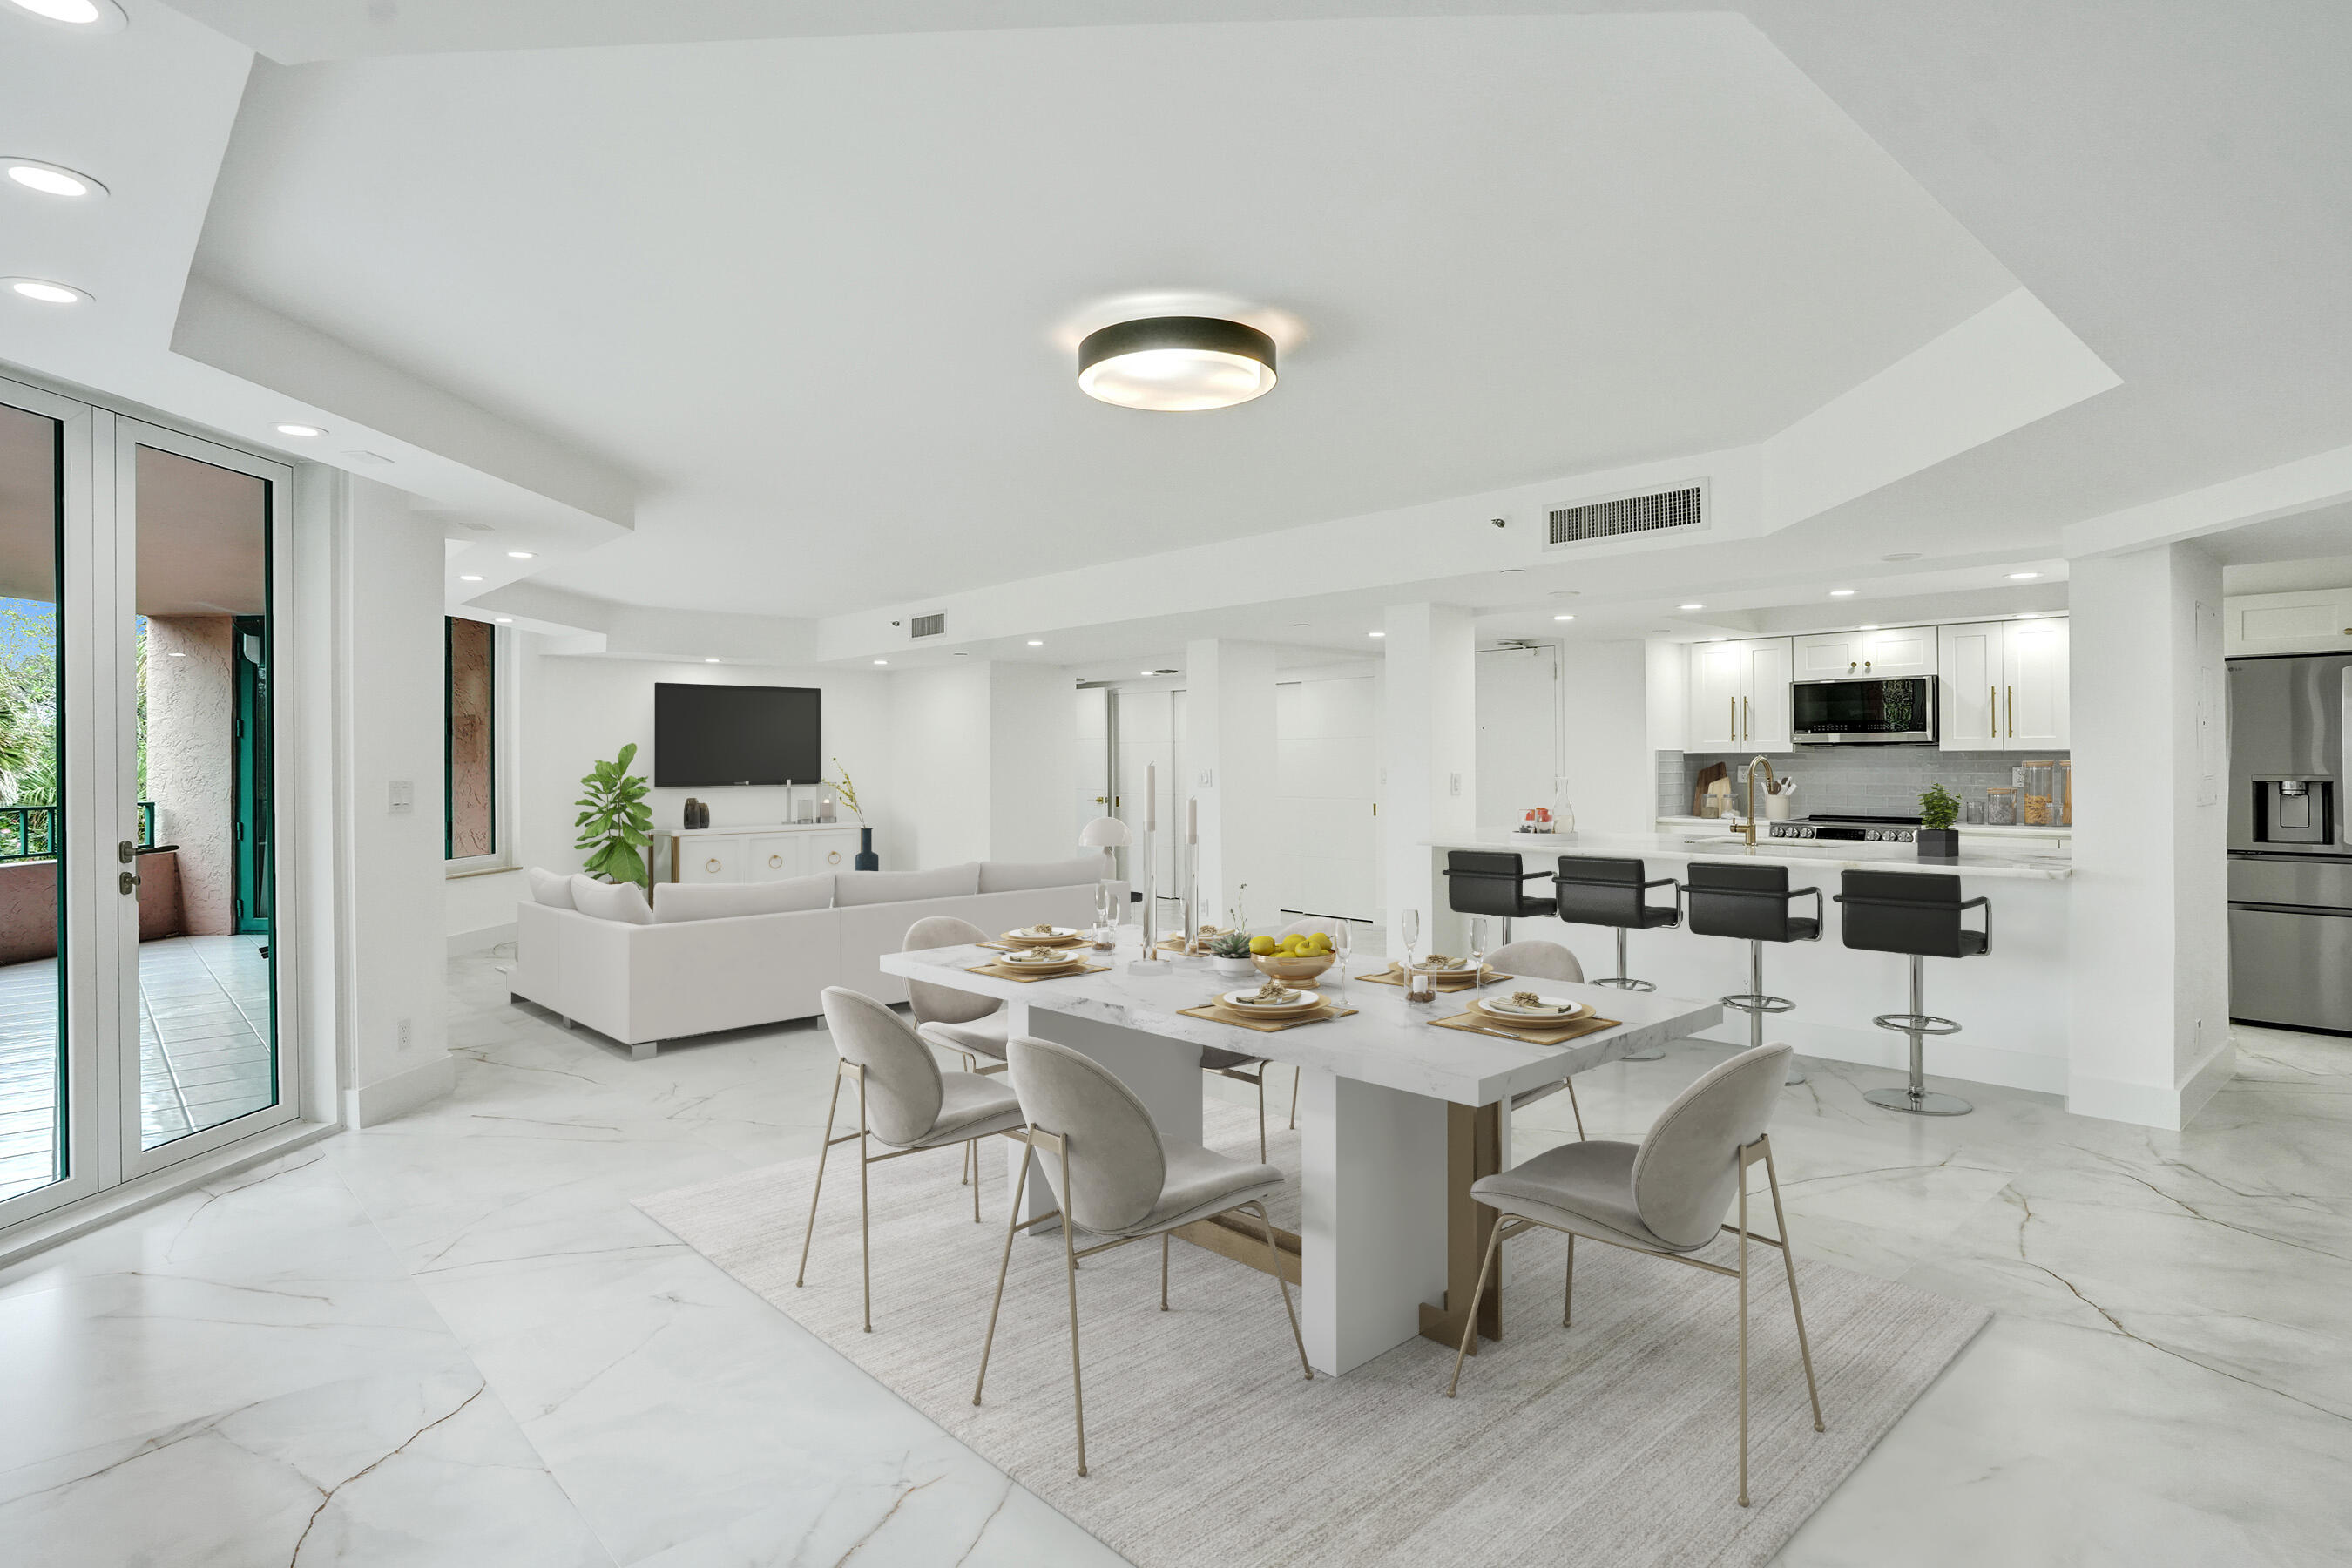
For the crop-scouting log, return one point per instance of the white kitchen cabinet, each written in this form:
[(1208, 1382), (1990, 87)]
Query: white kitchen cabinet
[(1739, 695), (2002, 686), (2317, 621), (1882, 651)]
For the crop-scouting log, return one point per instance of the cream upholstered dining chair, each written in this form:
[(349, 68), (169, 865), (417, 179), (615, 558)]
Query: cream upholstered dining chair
[(905, 1103), (1665, 1195), (964, 1022), (1542, 960), (1114, 1175)]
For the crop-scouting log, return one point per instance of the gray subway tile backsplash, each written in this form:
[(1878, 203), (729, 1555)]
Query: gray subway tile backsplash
[(1884, 780)]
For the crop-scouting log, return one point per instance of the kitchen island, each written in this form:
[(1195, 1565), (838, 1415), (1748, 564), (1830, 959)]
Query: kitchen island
[(2012, 1003)]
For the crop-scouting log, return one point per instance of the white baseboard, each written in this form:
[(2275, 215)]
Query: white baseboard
[(2153, 1105), (480, 939), (402, 1092), (1953, 1057)]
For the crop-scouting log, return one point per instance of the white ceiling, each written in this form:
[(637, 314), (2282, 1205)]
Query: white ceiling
[(806, 290)]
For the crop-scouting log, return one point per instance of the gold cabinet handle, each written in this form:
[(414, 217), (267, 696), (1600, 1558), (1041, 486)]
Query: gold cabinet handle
[(710, 865), (775, 861), (1992, 714), (2012, 711), (833, 859), (1747, 728)]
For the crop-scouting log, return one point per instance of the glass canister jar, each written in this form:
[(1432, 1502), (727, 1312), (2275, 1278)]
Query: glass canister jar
[(2040, 789), (2063, 808), (2000, 806)]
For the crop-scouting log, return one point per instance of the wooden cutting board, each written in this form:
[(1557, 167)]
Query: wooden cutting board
[(1706, 775)]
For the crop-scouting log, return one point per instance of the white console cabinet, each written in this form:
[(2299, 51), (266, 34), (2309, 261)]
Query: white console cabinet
[(752, 854)]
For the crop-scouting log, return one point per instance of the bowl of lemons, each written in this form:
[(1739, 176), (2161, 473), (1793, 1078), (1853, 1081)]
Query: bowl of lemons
[(1293, 960)]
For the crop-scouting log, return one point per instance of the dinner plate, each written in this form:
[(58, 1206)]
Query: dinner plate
[(1064, 936), (1300, 1002), (1504, 1007), (1048, 962)]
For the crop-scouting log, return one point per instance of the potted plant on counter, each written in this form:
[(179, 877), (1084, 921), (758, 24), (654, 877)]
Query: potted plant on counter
[(1937, 839), (1229, 953)]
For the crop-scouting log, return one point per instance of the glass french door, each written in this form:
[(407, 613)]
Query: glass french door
[(139, 991)]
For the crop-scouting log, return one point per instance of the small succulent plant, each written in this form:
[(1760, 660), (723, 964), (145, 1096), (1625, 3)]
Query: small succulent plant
[(1230, 944)]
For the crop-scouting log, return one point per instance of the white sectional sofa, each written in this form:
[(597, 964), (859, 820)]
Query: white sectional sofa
[(691, 963)]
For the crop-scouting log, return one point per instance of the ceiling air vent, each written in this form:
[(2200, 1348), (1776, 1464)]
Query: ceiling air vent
[(1621, 515), (929, 625)]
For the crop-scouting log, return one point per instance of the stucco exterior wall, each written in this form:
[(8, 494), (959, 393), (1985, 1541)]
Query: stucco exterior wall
[(191, 769)]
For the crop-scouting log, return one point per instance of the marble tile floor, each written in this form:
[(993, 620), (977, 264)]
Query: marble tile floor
[(204, 1050), (451, 1340)]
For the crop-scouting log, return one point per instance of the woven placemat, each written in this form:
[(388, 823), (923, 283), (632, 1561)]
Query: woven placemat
[(1219, 1014), (1004, 972), (1393, 976), (1479, 1024), (999, 945)]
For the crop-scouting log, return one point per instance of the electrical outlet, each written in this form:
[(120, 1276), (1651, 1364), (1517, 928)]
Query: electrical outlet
[(402, 797), (405, 1038)]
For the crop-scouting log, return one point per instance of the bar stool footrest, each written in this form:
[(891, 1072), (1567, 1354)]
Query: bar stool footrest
[(1622, 983), (1915, 1023), (1751, 1001)]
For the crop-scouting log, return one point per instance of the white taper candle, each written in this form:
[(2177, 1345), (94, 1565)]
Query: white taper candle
[(1151, 797)]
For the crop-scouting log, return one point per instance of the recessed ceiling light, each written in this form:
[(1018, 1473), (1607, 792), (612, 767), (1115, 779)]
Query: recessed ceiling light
[(1376, 634), (506, 620), (1690, 606), (519, 555), (881, 661), (305, 431), (2022, 577), (1564, 617), (49, 292), (52, 179), (469, 576), (1176, 365), (711, 661), (102, 16), (1037, 642), (1841, 593)]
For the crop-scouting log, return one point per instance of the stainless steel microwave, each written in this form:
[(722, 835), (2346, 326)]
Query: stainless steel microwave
[(1899, 711)]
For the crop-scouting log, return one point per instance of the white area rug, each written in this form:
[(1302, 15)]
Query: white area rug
[(1610, 1443)]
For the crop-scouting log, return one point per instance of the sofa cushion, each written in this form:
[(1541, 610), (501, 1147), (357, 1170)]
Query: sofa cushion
[(553, 889), (622, 901), (716, 900), (854, 888), (1020, 876)]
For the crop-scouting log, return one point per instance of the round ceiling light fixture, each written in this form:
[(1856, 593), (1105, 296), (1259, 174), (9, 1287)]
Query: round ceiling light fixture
[(98, 15), (47, 291), (1176, 365), (307, 432), (52, 179)]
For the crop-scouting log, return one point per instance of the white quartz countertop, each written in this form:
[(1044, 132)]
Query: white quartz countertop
[(1976, 859), (1389, 1041)]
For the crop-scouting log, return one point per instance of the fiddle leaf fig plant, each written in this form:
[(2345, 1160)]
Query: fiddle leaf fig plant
[(614, 822), (1938, 807)]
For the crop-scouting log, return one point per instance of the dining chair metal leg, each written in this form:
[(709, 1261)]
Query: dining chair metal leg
[(823, 1150), (1568, 1296), (1164, 1270), (864, 1235), (1789, 1257), (1295, 1074), (1575, 1109), (1274, 1259), (971, 1154), (1743, 1333), (1470, 1320), (1070, 1275), (1011, 1229), (1261, 1113)]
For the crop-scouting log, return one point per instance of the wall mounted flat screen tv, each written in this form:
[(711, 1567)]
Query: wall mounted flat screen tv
[(706, 735)]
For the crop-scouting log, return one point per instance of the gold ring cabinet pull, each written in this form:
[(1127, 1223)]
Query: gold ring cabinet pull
[(833, 859), (710, 865), (774, 861)]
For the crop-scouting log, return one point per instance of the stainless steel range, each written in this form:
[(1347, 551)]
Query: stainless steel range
[(2289, 841), (1869, 829)]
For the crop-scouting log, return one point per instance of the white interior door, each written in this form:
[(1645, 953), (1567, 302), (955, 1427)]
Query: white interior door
[(1327, 782), (1518, 732)]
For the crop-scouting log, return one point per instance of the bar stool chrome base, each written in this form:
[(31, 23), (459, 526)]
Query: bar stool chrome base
[(1623, 983), (1923, 1102), (1914, 1097)]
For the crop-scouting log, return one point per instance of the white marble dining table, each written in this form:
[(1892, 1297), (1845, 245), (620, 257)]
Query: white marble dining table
[(1397, 1117)]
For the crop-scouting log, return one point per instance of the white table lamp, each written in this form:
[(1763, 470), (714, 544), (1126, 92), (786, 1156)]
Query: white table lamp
[(1107, 834)]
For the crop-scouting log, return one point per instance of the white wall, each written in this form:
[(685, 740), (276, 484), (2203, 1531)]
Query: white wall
[(1611, 773), (2149, 924), (388, 726), (939, 762), (1033, 763), (1327, 782)]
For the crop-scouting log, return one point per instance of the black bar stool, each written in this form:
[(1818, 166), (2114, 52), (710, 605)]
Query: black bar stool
[(1607, 893), (1489, 882), (1750, 903), (1918, 914)]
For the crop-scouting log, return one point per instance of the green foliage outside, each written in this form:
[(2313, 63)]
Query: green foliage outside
[(614, 822), (29, 715)]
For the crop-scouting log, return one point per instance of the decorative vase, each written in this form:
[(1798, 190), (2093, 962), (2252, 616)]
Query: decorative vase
[(1938, 843), (867, 860)]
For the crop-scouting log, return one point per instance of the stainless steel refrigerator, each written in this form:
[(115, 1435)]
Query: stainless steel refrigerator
[(2289, 841)]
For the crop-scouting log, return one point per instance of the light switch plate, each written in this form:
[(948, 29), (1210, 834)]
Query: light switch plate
[(403, 796)]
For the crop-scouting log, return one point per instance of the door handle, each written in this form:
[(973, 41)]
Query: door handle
[(127, 883), (126, 852)]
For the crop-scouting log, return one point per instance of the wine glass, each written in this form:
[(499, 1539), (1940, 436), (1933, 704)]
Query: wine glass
[(1343, 940), (1478, 952), (1410, 929)]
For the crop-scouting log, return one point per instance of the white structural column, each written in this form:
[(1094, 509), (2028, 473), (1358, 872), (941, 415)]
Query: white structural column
[(1430, 745), (1373, 1231), (2148, 1035), (1229, 741)]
